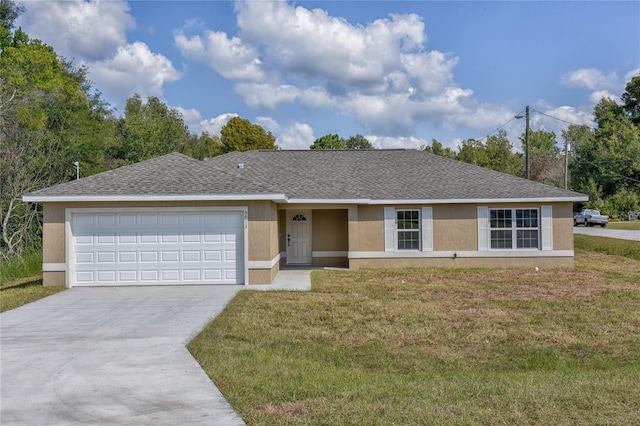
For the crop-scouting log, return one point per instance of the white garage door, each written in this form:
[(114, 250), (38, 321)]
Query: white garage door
[(157, 247)]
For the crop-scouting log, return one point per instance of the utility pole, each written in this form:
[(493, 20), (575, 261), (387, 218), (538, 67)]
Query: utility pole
[(526, 141), (566, 162)]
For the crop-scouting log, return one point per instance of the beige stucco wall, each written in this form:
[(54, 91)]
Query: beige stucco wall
[(511, 262), (455, 226), (370, 229), (337, 228), (262, 226), (263, 276), (330, 230)]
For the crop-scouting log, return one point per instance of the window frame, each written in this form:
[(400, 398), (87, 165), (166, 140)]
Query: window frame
[(514, 228), (418, 230)]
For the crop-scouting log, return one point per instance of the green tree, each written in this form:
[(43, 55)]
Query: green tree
[(620, 203), (546, 163), (331, 141), (438, 149), (150, 129), (500, 154), (474, 152), (9, 12), (240, 134), (49, 118), (358, 142), (631, 100), (203, 146)]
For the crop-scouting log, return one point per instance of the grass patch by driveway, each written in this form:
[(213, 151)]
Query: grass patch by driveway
[(435, 346), (21, 281), (629, 226), (23, 291), (610, 246)]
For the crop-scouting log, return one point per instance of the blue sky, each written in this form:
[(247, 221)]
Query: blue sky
[(399, 73)]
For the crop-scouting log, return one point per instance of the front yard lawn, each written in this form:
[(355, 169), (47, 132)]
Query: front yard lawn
[(629, 226), (436, 346), (21, 292)]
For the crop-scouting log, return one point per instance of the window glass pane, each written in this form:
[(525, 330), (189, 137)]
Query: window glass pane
[(501, 239), (527, 239), (527, 218), (408, 219), (500, 218), (408, 240)]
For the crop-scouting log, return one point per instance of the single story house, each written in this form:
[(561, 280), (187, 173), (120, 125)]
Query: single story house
[(240, 217)]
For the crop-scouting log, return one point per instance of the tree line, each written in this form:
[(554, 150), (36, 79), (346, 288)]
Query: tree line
[(52, 116)]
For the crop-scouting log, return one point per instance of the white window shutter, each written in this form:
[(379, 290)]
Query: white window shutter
[(427, 229), (389, 229), (483, 228), (546, 233)]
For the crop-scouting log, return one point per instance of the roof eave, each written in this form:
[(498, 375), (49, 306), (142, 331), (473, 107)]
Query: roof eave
[(483, 200), (438, 201), (31, 198), (282, 198)]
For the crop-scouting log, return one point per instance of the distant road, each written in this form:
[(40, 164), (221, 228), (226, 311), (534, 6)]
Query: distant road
[(609, 233)]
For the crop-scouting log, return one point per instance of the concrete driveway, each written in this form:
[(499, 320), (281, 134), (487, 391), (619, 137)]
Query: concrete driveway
[(111, 356), (609, 233)]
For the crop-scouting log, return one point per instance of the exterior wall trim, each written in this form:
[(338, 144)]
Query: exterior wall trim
[(54, 267), (156, 197), (264, 264), (329, 253), (460, 254), (282, 198)]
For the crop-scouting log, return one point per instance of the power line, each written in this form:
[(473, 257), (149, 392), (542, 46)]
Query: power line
[(515, 117), (556, 118), (603, 169)]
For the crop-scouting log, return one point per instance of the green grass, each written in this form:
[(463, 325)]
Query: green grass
[(21, 281), (629, 226), (21, 292), (436, 346), (610, 246), (19, 267)]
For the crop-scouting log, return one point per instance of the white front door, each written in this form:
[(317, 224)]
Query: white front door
[(299, 237)]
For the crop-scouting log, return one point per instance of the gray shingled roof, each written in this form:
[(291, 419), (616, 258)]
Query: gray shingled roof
[(309, 175)]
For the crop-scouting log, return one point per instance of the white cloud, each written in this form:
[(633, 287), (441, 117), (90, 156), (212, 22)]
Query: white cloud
[(389, 142), (90, 30), (592, 79), (629, 76), (134, 69), (191, 117), (230, 57), (296, 136), (381, 72), (596, 96), (94, 33), (267, 95), (268, 124), (212, 125), (316, 45)]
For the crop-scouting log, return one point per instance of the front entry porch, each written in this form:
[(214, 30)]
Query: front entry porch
[(314, 237)]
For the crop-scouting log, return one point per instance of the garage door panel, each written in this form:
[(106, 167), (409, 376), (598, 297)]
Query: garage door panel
[(161, 248), (191, 256), (84, 277), (128, 276), (149, 276), (127, 239), (127, 257), (86, 257)]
